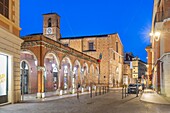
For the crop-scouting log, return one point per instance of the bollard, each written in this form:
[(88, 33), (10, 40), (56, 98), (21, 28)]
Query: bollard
[(136, 92), (91, 91), (136, 88), (122, 92), (125, 91), (103, 89), (108, 88), (77, 93), (100, 90), (96, 91)]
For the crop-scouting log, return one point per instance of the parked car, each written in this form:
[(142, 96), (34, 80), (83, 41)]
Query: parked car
[(132, 88)]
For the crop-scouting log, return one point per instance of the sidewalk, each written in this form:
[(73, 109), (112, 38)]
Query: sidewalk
[(151, 96), (49, 96)]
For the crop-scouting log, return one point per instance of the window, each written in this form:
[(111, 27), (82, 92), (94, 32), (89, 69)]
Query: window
[(4, 8), (66, 45), (57, 23), (117, 47), (91, 45), (113, 56), (49, 22)]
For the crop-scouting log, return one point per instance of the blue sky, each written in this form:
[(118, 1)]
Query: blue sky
[(131, 19)]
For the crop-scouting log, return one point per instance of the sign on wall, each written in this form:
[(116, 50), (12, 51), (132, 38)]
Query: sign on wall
[(3, 75)]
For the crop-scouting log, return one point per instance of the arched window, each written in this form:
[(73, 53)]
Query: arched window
[(49, 22)]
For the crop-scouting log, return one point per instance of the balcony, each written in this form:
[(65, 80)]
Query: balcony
[(160, 16)]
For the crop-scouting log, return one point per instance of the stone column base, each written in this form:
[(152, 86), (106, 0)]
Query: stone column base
[(40, 95), (43, 95)]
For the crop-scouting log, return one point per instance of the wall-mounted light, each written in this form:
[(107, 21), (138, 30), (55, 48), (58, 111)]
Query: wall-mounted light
[(156, 35), (35, 62), (53, 65), (147, 65)]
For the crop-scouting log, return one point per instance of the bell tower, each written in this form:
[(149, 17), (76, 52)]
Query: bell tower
[(51, 26)]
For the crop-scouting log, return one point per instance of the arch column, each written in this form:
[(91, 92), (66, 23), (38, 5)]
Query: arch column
[(59, 91), (41, 93)]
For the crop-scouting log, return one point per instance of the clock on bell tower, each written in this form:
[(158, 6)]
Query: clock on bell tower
[(51, 26)]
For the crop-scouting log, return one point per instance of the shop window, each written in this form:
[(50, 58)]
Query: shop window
[(3, 78), (91, 45), (4, 8)]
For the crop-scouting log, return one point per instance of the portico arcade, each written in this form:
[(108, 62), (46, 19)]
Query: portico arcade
[(53, 67)]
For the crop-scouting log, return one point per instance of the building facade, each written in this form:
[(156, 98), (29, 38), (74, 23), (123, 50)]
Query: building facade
[(134, 69), (127, 70), (108, 48), (49, 66), (159, 51), (9, 51), (139, 69)]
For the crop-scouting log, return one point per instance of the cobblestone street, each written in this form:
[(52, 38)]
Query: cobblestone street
[(111, 102)]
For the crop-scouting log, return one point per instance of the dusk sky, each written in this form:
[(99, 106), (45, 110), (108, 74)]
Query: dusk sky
[(131, 19)]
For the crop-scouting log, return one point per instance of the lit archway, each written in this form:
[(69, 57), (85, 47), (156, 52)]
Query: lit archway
[(84, 70), (66, 68), (77, 76), (30, 75), (117, 77), (51, 74)]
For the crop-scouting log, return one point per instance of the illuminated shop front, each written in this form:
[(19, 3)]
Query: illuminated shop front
[(3, 78)]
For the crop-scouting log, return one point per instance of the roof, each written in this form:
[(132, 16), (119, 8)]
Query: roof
[(32, 34), (80, 37), (51, 14)]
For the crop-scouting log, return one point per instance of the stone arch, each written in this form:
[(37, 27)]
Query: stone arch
[(92, 70), (97, 71), (51, 74), (77, 75), (66, 74), (117, 77), (30, 58), (85, 67), (68, 58), (85, 74), (25, 76), (26, 51), (56, 58)]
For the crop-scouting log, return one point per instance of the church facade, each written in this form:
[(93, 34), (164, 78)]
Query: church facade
[(108, 48)]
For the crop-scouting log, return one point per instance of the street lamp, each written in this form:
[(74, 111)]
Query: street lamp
[(156, 35)]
